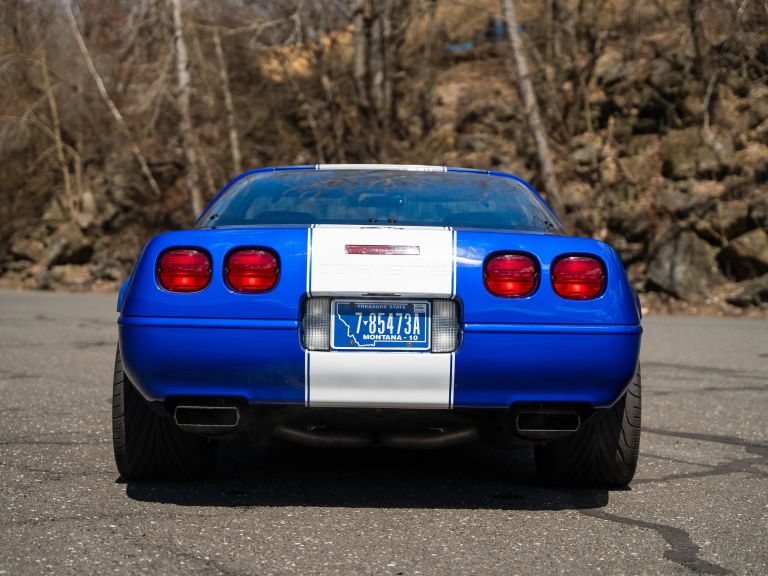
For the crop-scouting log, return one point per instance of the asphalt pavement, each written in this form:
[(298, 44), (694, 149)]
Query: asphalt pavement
[(699, 503)]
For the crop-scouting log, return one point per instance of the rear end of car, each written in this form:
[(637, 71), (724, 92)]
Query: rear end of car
[(385, 306)]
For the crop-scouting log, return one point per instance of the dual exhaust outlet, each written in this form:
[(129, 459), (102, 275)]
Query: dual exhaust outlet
[(208, 420), (529, 423), (545, 423)]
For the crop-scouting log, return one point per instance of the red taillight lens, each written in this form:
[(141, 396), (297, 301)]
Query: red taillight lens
[(510, 275), (578, 277), (184, 270), (252, 271)]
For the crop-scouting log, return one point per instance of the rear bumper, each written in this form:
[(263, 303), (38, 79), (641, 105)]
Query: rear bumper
[(502, 364), (263, 362)]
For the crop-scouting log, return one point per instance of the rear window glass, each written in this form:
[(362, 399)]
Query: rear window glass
[(383, 197)]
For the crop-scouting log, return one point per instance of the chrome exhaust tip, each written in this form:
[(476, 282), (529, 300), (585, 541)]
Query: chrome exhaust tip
[(208, 420), (547, 424)]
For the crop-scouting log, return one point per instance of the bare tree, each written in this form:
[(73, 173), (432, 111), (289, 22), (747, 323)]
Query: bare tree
[(184, 98), (381, 59), (709, 137), (579, 29), (379, 31), (110, 103), (700, 64), (554, 49), (322, 44), (428, 71), (531, 108), (234, 140), (360, 18), (68, 199)]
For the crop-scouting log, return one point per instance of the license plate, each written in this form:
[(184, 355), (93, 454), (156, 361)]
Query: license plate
[(380, 325)]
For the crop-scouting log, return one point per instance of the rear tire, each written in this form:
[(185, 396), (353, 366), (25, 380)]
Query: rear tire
[(149, 446), (603, 454)]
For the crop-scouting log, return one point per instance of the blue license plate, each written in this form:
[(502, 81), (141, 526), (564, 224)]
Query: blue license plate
[(381, 325)]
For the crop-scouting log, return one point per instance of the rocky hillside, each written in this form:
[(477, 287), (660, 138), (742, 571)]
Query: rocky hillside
[(687, 210), (658, 119)]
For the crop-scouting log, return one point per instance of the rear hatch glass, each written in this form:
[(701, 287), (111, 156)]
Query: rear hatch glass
[(380, 197)]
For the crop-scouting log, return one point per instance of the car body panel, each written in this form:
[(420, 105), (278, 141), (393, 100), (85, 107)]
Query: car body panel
[(615, 306), (259, 360), (499, 365), (145, 297)]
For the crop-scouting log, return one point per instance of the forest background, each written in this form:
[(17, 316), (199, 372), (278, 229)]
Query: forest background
[(645, 122)]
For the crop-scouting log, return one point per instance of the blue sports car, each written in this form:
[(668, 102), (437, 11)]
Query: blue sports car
[(356, 305)]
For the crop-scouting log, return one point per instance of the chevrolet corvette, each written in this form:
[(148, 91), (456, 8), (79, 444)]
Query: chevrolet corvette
[(379, 305)]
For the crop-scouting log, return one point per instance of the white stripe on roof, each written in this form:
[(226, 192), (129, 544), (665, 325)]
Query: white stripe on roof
[(406, 167)]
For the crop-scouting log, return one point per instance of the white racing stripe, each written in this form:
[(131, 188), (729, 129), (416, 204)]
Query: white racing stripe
[(333, 272), (379, 380), (454, 257), (309, 255), (306, 378)]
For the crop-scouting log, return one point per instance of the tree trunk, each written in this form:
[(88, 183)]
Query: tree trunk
[(323, 43), (184, 98), (698, 39), (68, 198), (380, 65), (428, 71), (234, 140), (360, 60), (709, 137), (110, 104), (531, 108), (387, 69), (582, 73)]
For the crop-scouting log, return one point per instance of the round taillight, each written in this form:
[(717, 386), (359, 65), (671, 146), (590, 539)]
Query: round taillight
[(251, 271), (184, 270), (578, 277), (510, 275)]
